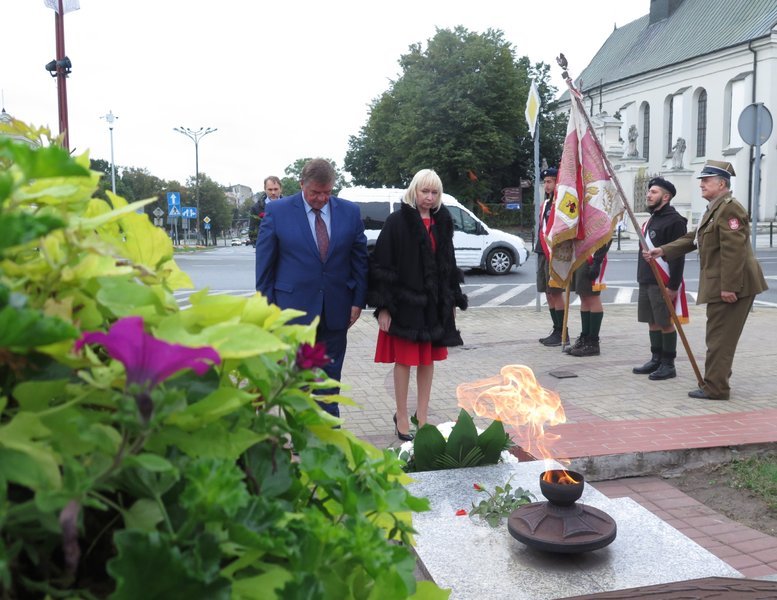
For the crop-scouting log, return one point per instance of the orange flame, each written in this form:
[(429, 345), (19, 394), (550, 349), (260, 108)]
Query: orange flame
[(516, 398), (559, 476)]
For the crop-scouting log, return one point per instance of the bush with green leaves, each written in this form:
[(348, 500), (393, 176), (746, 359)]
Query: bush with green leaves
[(145, 451), (465, 447)]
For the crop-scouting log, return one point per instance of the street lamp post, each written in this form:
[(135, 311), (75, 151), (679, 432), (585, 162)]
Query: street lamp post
[(110, 118), (196, 135)]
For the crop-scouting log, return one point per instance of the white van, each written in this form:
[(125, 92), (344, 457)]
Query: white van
[(477, 245)]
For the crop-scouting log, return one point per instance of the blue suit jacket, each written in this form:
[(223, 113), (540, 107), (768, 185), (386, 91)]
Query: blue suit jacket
[(289, 271)]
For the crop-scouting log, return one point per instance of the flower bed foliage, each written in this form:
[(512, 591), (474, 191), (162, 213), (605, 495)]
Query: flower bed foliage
[(144, 450), (463, 447)]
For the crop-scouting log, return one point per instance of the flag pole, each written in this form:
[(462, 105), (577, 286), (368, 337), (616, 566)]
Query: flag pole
[(565, 323), (575, 97)]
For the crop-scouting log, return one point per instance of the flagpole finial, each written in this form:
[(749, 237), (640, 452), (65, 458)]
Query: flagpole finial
[(562, 62)]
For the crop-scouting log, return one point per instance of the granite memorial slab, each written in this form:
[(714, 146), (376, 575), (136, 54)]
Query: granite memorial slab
[(475, 560)]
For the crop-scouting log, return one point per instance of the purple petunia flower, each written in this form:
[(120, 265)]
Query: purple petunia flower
[(147, 360), (310, 357)]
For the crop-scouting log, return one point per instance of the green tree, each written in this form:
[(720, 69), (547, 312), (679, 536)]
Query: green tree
[(213, 203), (139, 184), (458, 108), (290, 183), (104, 168)]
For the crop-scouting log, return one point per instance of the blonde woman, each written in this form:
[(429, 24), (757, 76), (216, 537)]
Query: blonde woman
[(415, 287)]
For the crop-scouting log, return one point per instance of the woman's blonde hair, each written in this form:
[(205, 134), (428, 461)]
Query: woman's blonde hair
[(424, 178)]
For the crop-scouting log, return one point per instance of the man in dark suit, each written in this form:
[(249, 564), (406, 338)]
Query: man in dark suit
[(311, 255)]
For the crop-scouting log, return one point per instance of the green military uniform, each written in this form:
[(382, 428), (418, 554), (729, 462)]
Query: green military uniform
[(727, 264)]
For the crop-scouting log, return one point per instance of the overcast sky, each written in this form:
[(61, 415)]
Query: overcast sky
[(280, 79)]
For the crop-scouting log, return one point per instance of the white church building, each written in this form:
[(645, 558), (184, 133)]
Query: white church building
[(666, 91)]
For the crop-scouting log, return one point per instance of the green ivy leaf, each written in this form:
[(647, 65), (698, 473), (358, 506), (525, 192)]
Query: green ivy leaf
[(214, 489), (262, 587), (144, 515), (216, 405), (19, 228), (35, 396), (124, 297), (48, 161), (25, 328), (216, 440), (270, 466), (149, 566)]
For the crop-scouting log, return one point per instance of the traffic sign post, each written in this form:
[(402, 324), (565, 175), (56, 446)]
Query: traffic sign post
[(189, 212), (755, 127), (173, 200)]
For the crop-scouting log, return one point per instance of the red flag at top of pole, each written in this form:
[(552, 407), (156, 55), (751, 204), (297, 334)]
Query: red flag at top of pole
[(587, 206)]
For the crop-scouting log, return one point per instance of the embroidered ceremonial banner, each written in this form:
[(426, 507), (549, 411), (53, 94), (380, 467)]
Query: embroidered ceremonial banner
[(587, 205)]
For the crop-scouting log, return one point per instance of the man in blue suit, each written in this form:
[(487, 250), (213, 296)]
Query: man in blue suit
[(311, 255)]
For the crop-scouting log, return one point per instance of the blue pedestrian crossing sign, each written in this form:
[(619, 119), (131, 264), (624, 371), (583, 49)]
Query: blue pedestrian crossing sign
[(174, 202)]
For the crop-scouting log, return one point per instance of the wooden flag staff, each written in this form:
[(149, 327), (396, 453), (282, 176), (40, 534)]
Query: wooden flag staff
[(575, 97)]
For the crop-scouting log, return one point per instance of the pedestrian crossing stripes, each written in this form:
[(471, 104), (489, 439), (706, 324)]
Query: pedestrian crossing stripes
[(495, 294), (488, 295)]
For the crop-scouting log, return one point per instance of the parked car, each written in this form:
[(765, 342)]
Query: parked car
[(477, 245), (237, 242)]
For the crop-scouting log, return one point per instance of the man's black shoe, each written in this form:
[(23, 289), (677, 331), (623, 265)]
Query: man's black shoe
[(550, 335), (554, 339), (665, 371), (649, 366), (700, 394), (590, 347), (578, 344)]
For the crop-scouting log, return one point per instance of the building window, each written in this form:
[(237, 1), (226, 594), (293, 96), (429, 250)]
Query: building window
[(669, 143), (646, 132), (701, 125)]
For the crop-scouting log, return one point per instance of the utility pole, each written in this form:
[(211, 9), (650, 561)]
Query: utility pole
[(60, 67)]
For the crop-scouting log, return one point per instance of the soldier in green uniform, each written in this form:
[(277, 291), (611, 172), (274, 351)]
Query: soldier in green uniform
[(729, 277)]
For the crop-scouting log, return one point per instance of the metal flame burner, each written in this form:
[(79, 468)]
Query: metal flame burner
[(561, 524)]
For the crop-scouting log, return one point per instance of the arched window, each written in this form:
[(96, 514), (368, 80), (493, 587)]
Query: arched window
[(701, 124), (669, 142), (646, 131)]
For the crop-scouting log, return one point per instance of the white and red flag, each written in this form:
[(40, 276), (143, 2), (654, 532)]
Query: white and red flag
[(587, 205)]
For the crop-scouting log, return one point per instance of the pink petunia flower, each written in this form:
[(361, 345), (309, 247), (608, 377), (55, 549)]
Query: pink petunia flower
[(147, 360), (311, 357)]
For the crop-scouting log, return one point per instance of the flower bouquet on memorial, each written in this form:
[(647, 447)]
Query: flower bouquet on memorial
[(500, 503), (456, 445)]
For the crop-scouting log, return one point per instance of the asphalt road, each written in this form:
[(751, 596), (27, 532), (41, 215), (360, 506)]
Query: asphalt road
[(230, 270)]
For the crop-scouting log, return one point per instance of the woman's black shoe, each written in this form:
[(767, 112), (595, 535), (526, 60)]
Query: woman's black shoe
[(405, 437)]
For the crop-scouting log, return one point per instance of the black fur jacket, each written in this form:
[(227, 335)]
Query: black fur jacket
[(419, 287)]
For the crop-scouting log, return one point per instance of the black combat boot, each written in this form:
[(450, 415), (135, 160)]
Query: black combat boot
[(554, 339), (590, 347), (550, 335), (649, 366), (666, 370), (578, 344)]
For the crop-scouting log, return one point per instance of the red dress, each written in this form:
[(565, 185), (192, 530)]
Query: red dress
[(393, 349)]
